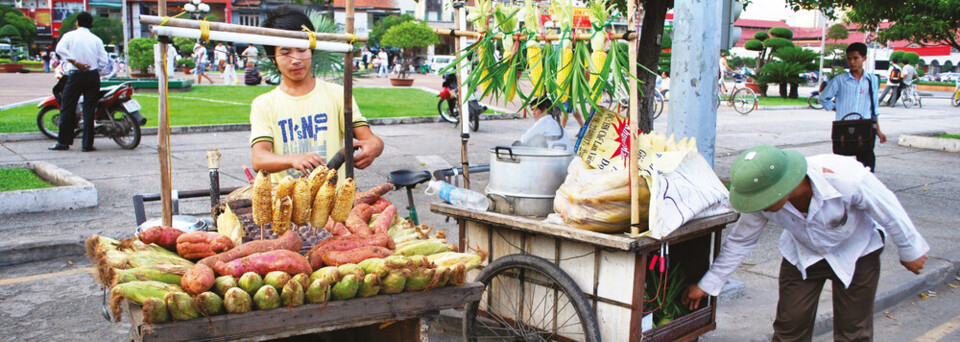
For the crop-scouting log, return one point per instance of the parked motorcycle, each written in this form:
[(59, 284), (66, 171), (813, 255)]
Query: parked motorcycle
[(117, 116), (448, 108)]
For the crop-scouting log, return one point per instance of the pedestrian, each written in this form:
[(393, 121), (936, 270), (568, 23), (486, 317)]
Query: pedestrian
[(384, 59), (229, 75), (250, 54), (367, 56), (251, 76), (85, 53), (855, 92), (909, 76), (202, 59), (45, 56), (220, 56), (664, 84), (894, 76), (835, 216)]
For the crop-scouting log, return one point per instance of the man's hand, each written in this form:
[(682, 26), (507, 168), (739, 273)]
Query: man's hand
[(306, 162), (369, 150), (79, 66), (916, 265), (692, 296), (883, 137)]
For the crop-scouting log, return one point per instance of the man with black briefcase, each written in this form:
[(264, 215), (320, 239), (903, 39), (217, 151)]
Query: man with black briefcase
[(853, 96)]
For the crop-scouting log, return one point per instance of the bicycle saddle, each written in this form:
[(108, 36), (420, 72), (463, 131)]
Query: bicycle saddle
[(407, 178)]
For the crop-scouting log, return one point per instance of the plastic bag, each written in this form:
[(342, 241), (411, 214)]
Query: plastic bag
[(604, 141), (683, 185), (596, 200)]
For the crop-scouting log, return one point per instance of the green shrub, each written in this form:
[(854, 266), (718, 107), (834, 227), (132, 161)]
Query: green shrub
[(141, 53), (187, 62), (5, 60), (896, 55), (781, 32), (775, 43), (753, 45), (761, 35), (31, 63), (912, 57)]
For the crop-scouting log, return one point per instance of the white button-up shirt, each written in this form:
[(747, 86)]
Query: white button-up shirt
[(83, 47), (846, 95), (849, 203)]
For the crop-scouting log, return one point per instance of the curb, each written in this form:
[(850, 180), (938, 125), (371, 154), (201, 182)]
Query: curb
[(782, 107), (246, 127), (39, 251), (24, 103), (930, 143)]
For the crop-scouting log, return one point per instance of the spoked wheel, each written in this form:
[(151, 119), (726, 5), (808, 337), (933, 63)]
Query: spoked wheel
[(475, 122), (814, 102), (908, 101), (955, 100), (744, 101), (124, 131), (658, 105), (448, 110), (49, 121), (528, 298)]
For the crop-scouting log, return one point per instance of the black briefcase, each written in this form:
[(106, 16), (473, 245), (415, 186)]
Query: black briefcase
[(853, 136)]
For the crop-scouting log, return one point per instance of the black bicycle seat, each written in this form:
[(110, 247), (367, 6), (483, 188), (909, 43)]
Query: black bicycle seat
[(407, 178)]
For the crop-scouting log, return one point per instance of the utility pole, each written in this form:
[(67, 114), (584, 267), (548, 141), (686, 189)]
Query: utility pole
[(695, 71)]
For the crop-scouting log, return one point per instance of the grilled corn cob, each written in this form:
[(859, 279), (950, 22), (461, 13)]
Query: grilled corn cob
[(284, 188), (323, 202), (343, 203), (302, 201), (262, 198), (282, 209), (316, 179)]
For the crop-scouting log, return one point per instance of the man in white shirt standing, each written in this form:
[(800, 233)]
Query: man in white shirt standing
[(84, 51), (220, 56), (835, 216)]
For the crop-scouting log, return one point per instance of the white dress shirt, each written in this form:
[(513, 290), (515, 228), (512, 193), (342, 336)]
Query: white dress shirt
[(547, 130), (83, 47), (849, 203)]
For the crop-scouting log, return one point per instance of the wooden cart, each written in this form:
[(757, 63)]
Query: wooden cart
[(608, 269), (369, 315)]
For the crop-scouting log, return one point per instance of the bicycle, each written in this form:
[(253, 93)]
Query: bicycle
[(909, 96), (622, 101), (814, 100), (955, 99), (744, 100)]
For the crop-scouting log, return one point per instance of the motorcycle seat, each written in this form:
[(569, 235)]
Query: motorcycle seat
[(407, 178)]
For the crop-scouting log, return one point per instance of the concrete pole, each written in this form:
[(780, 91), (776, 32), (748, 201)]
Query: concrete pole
[(126, 36), (694, 69), (823, 45)]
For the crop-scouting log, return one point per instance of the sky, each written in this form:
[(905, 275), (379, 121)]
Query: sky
[(767, 10)]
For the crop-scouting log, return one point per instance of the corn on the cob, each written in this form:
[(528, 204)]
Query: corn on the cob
[(282, 209), (138, 292), (536, 67), (302, 201), (343, 203), (262, 203), (316, 179), (598, 12), (323, 202), (564, 68), (285, 187), (449, 259)]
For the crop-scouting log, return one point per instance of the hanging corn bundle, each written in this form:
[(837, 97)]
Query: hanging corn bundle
[(480, 16), (508, 18), (535, 54), (563, 14), (598, 12)]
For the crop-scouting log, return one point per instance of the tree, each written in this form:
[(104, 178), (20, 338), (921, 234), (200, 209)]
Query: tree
[(798, 56), (109, 30), (912, 57), (836, 32), (26, 28), (782, 73), (409, 35), (10, 32), (765, 43), (141, 53), (379, 29), (919, 21), (896, 55)]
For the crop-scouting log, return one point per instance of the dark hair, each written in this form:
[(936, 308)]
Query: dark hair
[(84, 19), (285, 18), (541, 103), (858, 47), (894, 60)]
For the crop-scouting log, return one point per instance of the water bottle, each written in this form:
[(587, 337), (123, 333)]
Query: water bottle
[(460, 197)]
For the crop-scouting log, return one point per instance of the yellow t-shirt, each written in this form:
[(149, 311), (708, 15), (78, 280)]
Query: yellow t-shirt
[(301, 124)]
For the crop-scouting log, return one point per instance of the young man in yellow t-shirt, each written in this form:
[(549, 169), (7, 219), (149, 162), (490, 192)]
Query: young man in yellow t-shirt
[(299, 125)]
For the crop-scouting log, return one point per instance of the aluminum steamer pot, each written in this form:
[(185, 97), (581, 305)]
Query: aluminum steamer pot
[(524, 180)]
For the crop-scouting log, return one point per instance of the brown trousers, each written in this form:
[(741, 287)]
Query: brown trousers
[(852, 307)]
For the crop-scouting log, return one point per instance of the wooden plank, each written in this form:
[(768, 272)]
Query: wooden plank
[(614, 322), (614, 241), (310, 318)]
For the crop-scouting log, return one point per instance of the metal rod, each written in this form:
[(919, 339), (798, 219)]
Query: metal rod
[(217, 26), (163, 132), (548, 37), (348, 97)]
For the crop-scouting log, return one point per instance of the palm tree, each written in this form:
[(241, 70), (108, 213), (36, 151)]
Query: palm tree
[(799, 56), (324, 63), (782, 73)]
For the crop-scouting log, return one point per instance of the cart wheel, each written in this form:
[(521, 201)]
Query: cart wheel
[(528, 298)]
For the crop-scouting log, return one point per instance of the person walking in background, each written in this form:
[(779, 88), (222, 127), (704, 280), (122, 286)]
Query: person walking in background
[(200, 56), (251, 76), (384, 68), (229, 75), (835, 216), (893, 83), (909, 76), (84, 51), (855, 92), (250, 54), (220, 56), (45, 56)]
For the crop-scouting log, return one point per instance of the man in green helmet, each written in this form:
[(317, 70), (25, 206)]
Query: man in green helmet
[(836, 215)]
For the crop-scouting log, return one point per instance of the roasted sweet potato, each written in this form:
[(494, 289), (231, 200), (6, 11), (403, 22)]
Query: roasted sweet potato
[(382, 224), (356, 255), (344, 243), (359, 216), (380, 205), (263, 263), (198, 279), (290, 241), (198, 245), (165, 237), (340, 230), (373, 194)]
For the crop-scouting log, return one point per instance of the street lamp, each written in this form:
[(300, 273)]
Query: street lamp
[(196, 8)]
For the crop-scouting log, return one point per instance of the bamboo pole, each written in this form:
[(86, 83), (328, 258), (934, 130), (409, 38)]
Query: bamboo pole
[(348, 97), (163, 133), (217, 26), (548, 37), (633, 170), (460, 21)]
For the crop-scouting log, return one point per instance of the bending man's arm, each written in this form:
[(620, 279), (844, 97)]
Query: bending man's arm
[(264, 159), (743, 237), (371, 146)]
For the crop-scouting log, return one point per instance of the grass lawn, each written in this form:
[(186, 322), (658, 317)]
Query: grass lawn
[(20, 179), (949, 136), (207, 105), (778, 101)]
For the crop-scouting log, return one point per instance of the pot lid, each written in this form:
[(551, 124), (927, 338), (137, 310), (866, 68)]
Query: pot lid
[(506, 151), (186, 223)]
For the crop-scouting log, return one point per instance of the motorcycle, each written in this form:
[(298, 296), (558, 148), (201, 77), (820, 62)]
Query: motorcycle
[(448, 108), (814, 100), (117, 116)]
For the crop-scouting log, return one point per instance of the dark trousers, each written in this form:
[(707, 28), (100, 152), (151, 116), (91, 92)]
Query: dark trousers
[(86, 83), (868, 158), (852, 307)]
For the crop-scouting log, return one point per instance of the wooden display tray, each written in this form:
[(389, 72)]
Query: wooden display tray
[(306, 319)]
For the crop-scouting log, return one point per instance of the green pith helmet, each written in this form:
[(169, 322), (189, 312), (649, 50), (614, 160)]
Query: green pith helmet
[(763, 175)]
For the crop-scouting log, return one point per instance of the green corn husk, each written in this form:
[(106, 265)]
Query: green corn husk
[(170, 274), (251, 282), (376, 266), (394, 281), (350, 268), (210, 304), (303, 279), (346, 288), (370, 286), (149, 258), (419, 280), (398, 261), (267, 298), (292, 294), (448, 259), (155, 311), (222, 284), (443, 274), (138, 292), (181, 306), (329, 274), (277, 279), (318, 292), (237, 301)]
